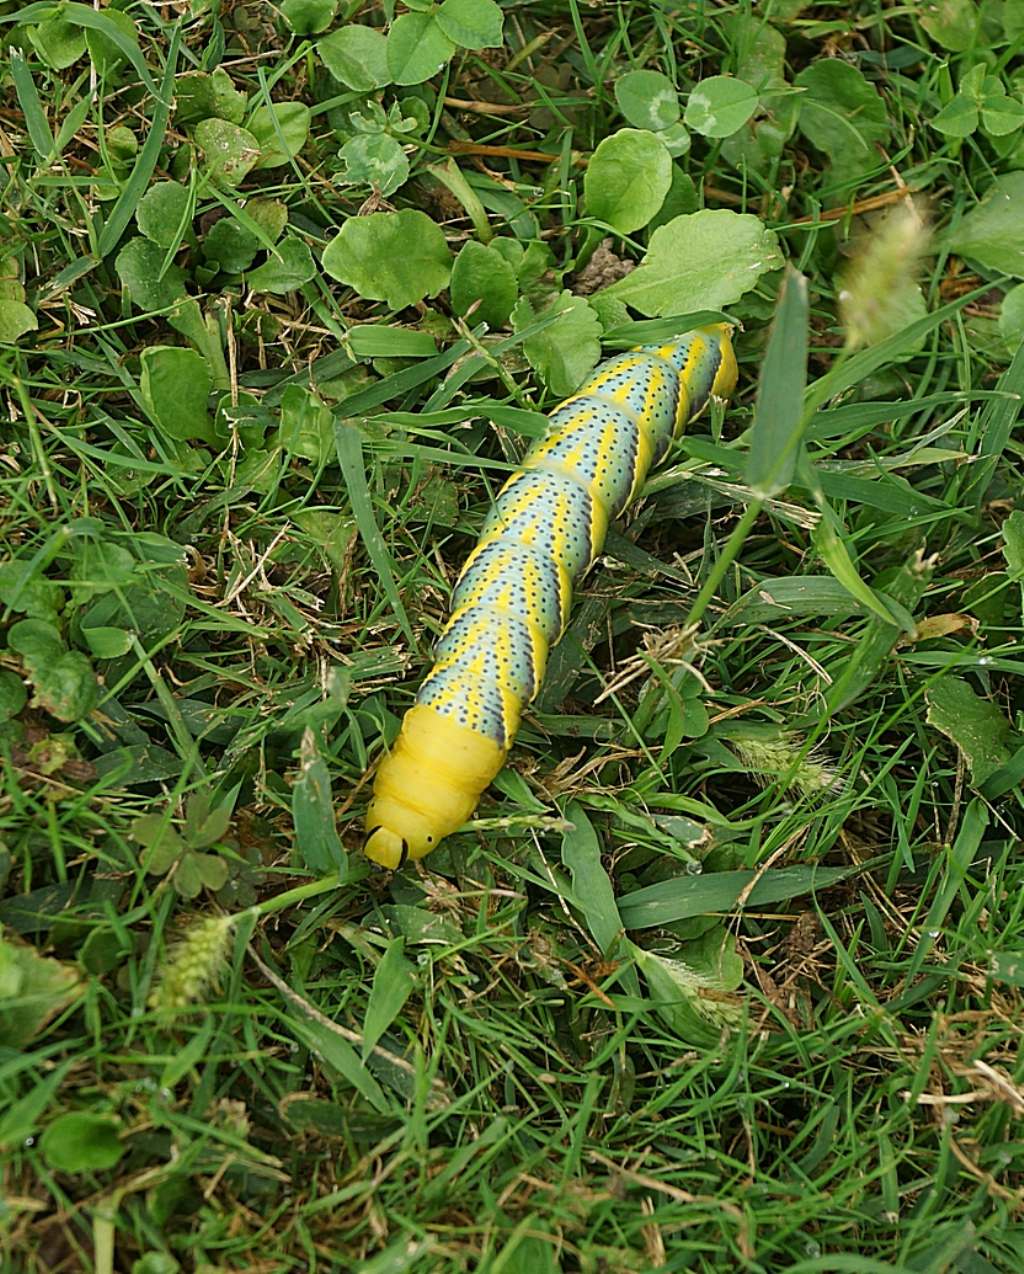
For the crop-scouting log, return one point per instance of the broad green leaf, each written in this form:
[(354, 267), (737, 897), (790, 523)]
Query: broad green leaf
[(15, 320), (175, 385), (27, 592), (13, 695), (139, 265), (280, 130), (1013, 544), (308, 17), (285, 269), (1001, 115), (33, 989), (959, 118), (316, 835), (627, 179), (992, 234), (720, 106), (843, 115), (64, 682), (106, 52), (685, 896), (229, 152), (163, 214), (58, 42), (951, 23), (647, 99), (229, 246), (397, 257), (699, 261), (339, 1055), (356, 55), (568, 349), (199, 96), (81, 1142), (481, 274), (977, 727), (1011, 317), (375, 159), (471, 24), (417, 48), (591, 886), (778, 426), (393, 983)]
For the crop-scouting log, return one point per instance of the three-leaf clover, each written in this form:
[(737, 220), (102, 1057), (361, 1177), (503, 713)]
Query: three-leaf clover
[(181, 854)]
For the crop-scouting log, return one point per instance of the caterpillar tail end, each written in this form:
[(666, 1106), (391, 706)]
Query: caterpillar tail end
[(428, 787)]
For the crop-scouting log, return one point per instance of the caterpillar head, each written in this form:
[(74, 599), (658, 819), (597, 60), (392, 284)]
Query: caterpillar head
[(428, 786), (397, 832)]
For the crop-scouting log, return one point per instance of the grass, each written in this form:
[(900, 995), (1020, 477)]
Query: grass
[(450, 1068)]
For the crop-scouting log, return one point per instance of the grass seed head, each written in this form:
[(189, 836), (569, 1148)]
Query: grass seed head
[(196, 963), (879, 293), (779, 754)]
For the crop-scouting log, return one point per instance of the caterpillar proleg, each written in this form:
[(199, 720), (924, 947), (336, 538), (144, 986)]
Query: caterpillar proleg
[(513, 597)]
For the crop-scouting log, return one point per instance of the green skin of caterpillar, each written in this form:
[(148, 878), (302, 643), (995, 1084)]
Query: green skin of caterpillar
[(513, 598)]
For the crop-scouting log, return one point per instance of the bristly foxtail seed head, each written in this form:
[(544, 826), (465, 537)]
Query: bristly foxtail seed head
[(771, 757), (874, 287), (195, 964)]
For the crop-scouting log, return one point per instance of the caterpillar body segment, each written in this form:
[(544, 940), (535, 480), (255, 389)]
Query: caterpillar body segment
[(513, 597)]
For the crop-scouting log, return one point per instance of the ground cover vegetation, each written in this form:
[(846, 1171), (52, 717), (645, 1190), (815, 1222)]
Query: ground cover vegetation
[(727, 973)]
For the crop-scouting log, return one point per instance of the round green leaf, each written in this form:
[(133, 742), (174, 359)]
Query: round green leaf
[(280, 130), (308, 17), (627, 179), (648, 99), (175, 386), (471, 24), (198, 96), (951, 23), (675, 139), (230, 152), (138, 266), (13, 694), (957, 119), (106, 53), (163, 213), (357, 56), (397, 257), (720, 106), (482, 274), (993, 233), (285, 269), (564, 352), (15, 320), (58, 42), (1011, 317), (81, 1143), (417, 48), (842, 114), (375, 159), (1001, 115)]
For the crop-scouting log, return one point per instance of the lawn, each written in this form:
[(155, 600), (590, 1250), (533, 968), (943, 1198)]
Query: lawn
[(726, 973)]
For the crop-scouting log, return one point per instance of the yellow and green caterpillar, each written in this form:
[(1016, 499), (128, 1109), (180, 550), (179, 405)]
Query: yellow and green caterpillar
[(512, 600)]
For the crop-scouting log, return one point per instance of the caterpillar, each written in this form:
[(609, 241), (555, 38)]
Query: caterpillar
[(512, 600)]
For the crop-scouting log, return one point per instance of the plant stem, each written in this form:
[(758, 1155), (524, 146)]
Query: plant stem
[(733, 545)]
